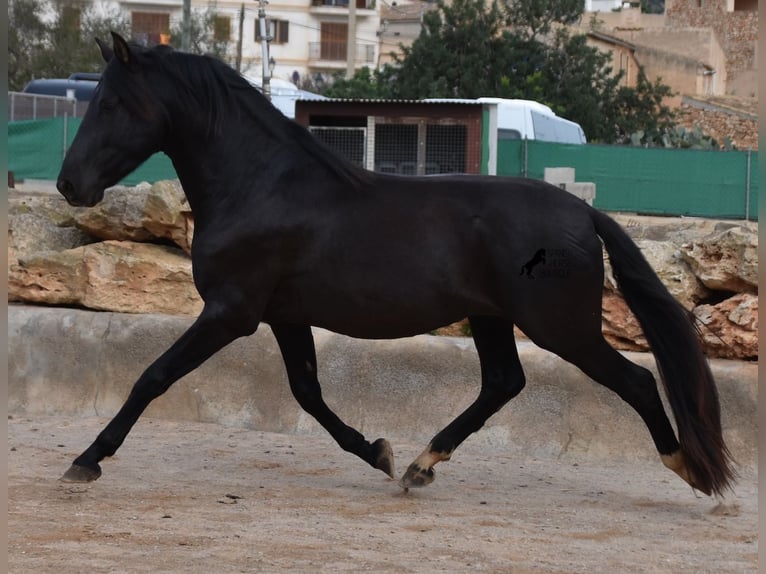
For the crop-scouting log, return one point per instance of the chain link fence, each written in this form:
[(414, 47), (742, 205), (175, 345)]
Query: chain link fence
[(23, 106)]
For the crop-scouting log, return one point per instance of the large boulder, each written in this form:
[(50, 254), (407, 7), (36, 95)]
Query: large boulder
[(666, 260), (730, 328), (142, 213), (110, 275), (725, 260), (619, 325), (40, 223)]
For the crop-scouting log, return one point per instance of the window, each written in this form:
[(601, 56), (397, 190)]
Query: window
[(221, 28), (334, 38), (279, 30), (150, 28), (745, 5)]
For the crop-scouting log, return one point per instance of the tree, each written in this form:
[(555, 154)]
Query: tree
[(65, 44), (365, 84), (70, 45), (535, 18), (26, 39), (455, 54), (642, 117), (576, 81), (204, 38)]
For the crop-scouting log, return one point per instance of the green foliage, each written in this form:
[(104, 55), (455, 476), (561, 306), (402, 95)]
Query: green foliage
[(456, 54), (71, 38), (202, 34), (26, 40), (365, 84), (642, 109), (535, 18), (37, 49), (679, 137)]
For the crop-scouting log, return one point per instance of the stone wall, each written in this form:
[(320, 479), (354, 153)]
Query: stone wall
[(130, 254), (737, 31), (713, 118)]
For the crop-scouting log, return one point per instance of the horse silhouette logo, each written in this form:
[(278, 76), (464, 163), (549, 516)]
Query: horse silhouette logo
[(537, 259)]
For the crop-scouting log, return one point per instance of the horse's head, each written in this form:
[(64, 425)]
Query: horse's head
[(124, 126)]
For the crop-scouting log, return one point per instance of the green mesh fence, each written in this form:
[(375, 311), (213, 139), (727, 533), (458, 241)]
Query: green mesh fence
[(669, 182), (647, 180), (36, 150)]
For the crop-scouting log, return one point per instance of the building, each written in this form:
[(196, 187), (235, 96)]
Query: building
[(734, 24), (698, 47), (309, 38)]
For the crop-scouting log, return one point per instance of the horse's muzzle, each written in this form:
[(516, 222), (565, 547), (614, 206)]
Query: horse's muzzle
[(67, 189)]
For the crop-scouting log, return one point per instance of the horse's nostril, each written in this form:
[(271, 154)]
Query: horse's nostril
[(64, 186)]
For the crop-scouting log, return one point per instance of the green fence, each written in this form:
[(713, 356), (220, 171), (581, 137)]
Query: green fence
[(669, 182), (36, 150), (647, 180)]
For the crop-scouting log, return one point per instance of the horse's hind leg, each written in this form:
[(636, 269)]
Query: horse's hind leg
[(632, 383), (502, 378), (297, 345)]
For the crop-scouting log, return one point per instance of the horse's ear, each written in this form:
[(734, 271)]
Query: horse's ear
[(106, 51), (121, 49)]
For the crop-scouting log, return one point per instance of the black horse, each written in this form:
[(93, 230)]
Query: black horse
[(289, 234)]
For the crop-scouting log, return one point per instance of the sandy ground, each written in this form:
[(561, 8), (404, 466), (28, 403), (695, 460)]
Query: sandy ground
[(187, 497)]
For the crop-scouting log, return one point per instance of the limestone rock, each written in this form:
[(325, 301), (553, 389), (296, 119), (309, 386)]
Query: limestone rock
[(49, 277), (41, 223), (620, 327), (666, 260), (142, 213), (119, 216), (167, 214), (111, 275), (730, 328), (726, 260)]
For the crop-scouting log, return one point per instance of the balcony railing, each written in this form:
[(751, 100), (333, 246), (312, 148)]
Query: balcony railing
[(360, 4), (336, 52)]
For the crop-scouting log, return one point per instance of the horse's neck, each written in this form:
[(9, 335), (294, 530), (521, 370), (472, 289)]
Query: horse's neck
[(213, 166)]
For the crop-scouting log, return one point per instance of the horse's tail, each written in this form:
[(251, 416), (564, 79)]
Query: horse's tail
[(673, 338)]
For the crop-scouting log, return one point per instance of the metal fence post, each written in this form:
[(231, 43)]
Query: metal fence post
[(64, 143), (747, 184), (525, 155)]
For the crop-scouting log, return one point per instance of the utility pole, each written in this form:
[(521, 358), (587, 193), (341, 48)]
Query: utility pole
[(186, 27), (238, 65), (266, 82), (351, 41)]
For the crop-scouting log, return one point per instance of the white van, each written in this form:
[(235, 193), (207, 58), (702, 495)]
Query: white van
[(526, 119)]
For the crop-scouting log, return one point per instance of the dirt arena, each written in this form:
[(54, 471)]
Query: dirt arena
[(190, 497)]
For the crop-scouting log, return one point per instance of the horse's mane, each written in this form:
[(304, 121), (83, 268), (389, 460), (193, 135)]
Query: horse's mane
[(208, 81)]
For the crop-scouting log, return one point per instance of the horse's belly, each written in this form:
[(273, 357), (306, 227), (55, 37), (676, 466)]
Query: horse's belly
[(374, 313)]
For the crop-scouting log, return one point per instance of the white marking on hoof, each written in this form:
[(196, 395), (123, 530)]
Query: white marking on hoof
[(677, 464)]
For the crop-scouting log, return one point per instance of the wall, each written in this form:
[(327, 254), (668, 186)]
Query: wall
[(737, 32)]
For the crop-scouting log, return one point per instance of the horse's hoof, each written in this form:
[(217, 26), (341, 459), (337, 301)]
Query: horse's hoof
[(385, 456), (417, 477), (77, 473)]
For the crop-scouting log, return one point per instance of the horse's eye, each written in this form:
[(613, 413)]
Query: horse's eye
[(107, 105)]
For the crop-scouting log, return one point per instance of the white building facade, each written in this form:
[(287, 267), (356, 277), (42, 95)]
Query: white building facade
[(309, 38)]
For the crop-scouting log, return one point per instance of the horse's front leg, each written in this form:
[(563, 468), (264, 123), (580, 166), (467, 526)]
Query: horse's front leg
[(212, 331), (297, 345)]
